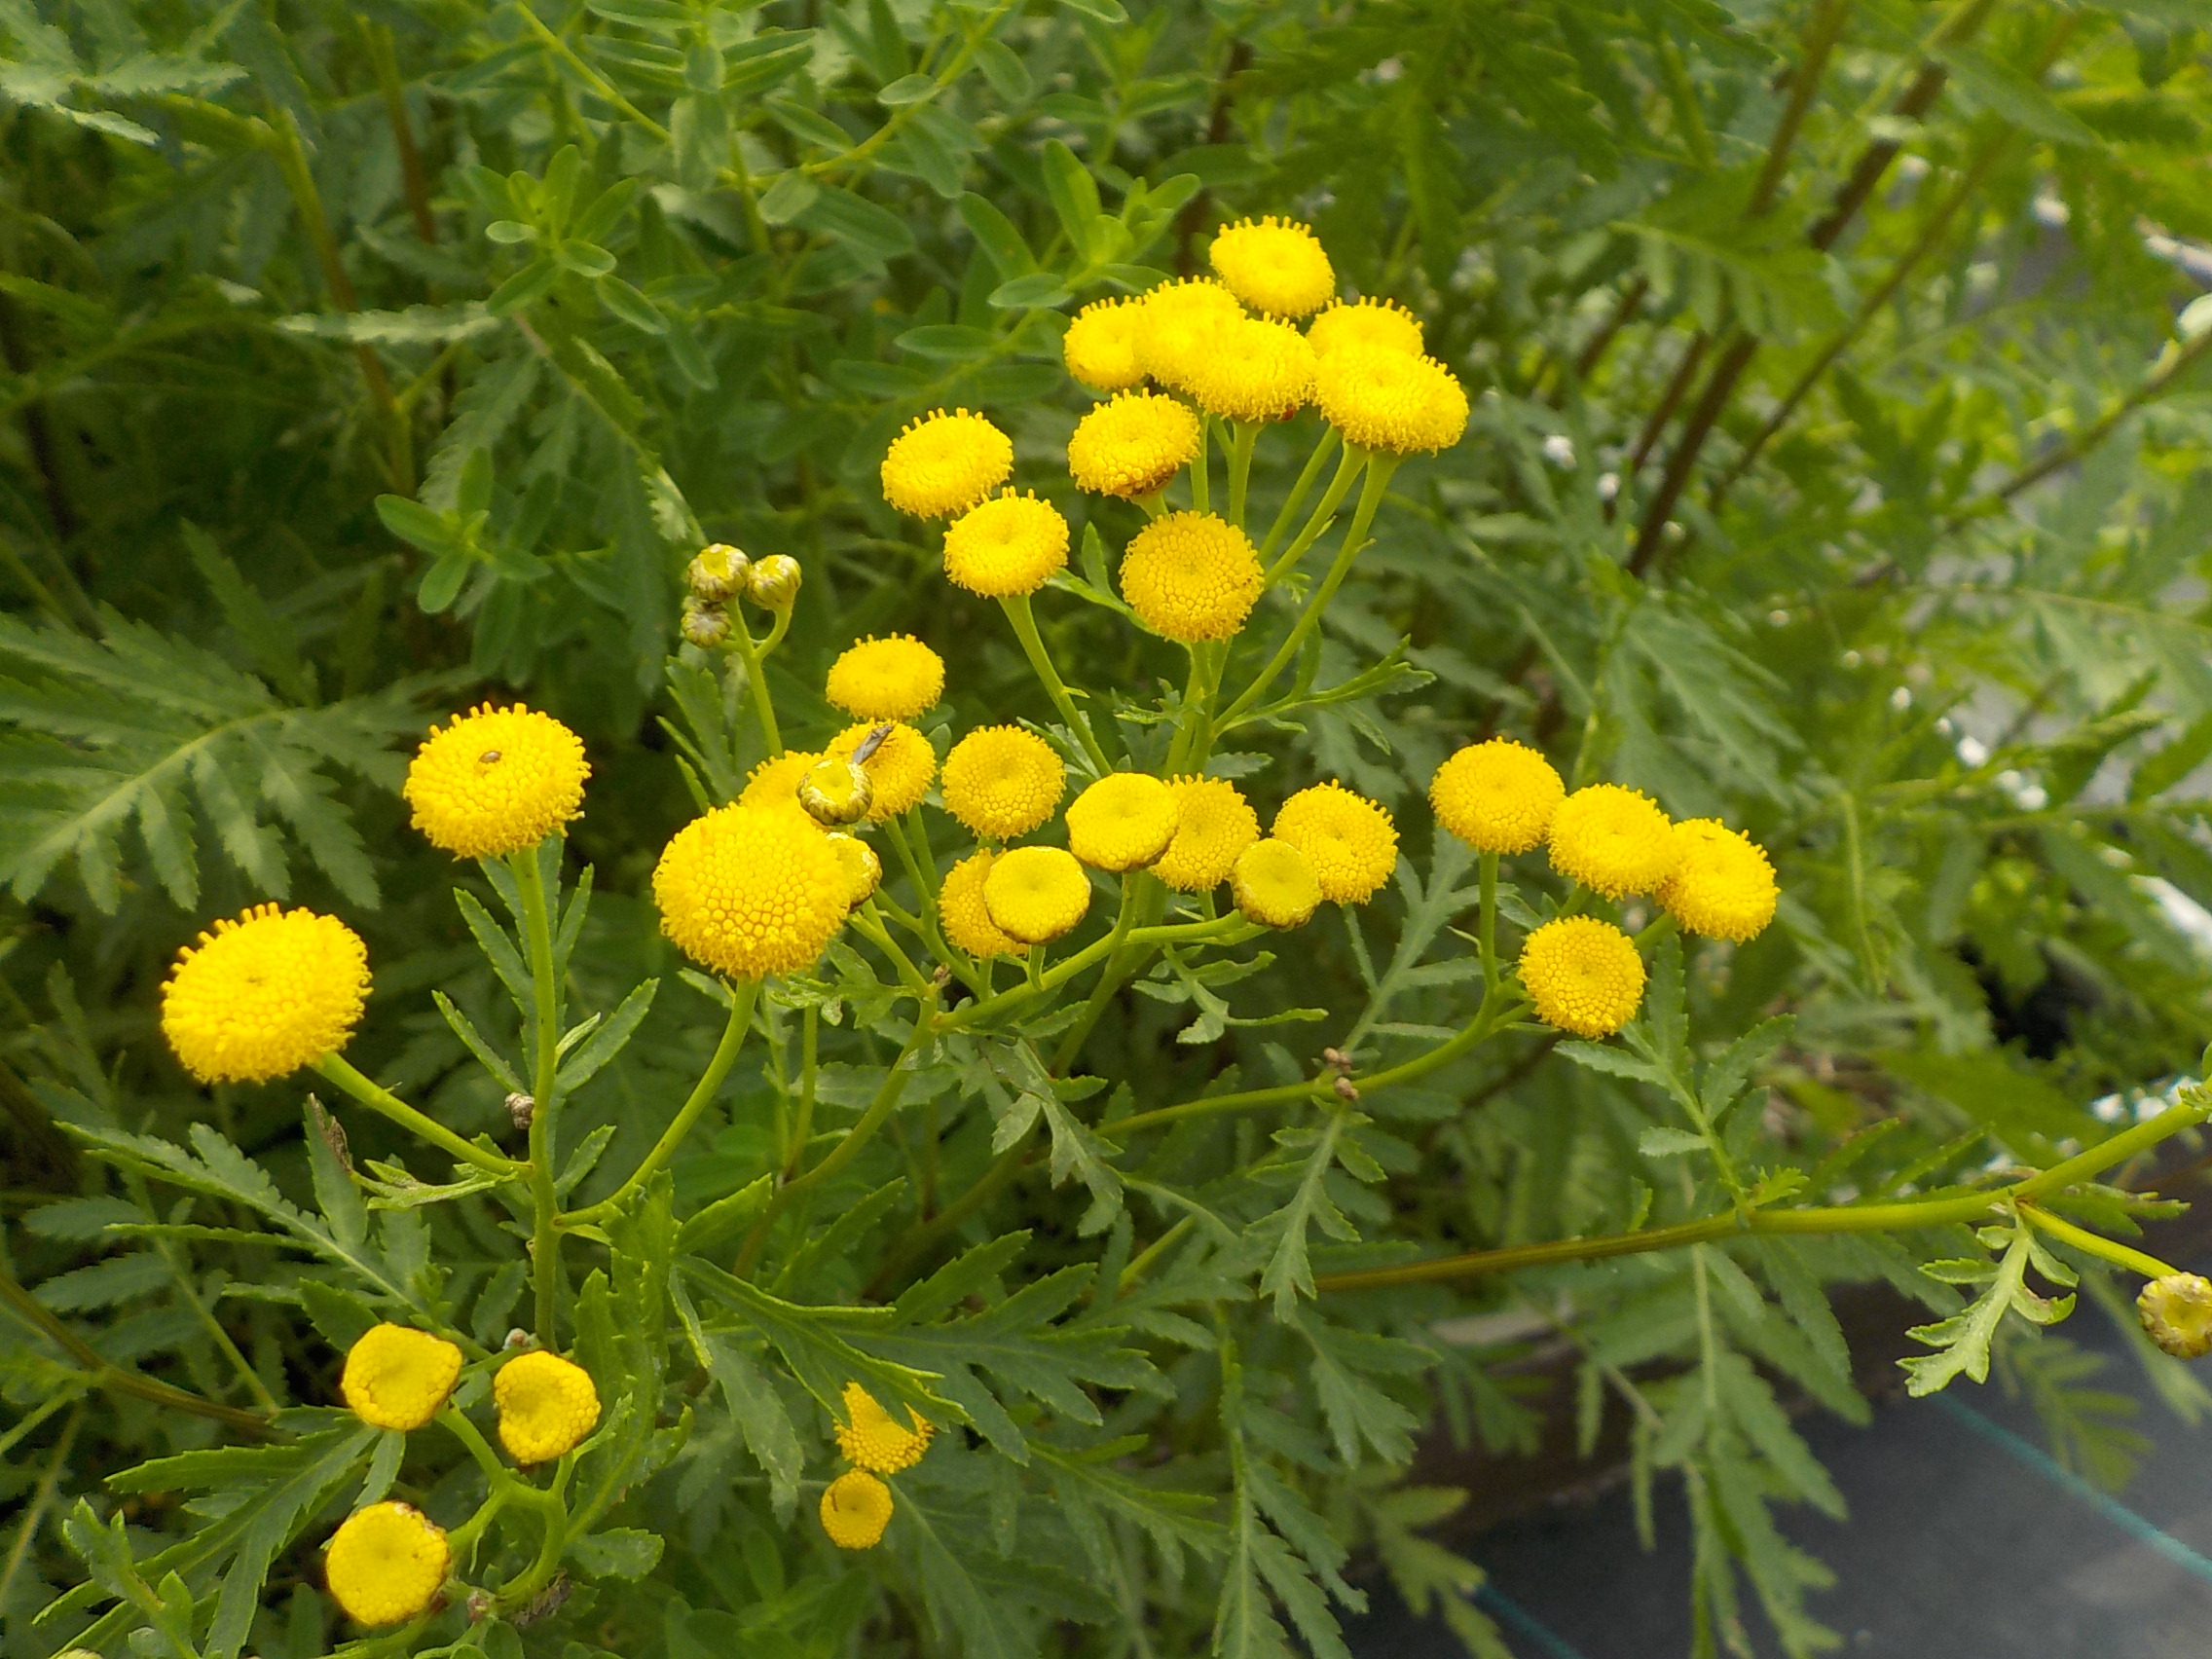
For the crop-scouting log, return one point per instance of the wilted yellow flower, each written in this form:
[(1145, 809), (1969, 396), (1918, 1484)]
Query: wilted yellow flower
[(1497, 796), (1036, 893), (1123, 822), (1275, 266), (396, 1377), (775, 782), (1275, 885), (2176, 1311), (1583, 975), (1100, 346), (886, 680), (836, 793), (1002, 781), (1257, 371), (1007, 546), (1379, 399), (900, 768), (863, 870), (872, 1439), (1370, 322), (1213, 824), (1191, 576), (261, 997), (496, 780), (856, 1507), (546, 1404), (1349, 840), (1612, 840), (1177, 325), (1133, 445), (1722, 884), (944, 464), (386, 1562), (967, 919), (750, 890)]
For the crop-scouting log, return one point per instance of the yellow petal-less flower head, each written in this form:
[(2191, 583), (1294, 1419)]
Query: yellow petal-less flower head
[(2176, 1311), (1275, 885), (900, 770), (1258, 371), (863, 870), (967, 918), (546, 1406), (1178, 325), (1191, 576), (1370, 322), (1132, 444), (1001, 782), (1722, 884), (750, 890), (872, 1439), (856, 1507), (496, 780), (1614, 841), (944, 464), (1274, 266), (1100, 346), (1380, 398), (1213, 824), (263, 996), (886, 680), (836, 793), (1036, 893), (1349, 840), (1123, 822), (1497, 796), (1583, 975), (386, 1562), (775, 781), (1007, 546), (396, 1377)]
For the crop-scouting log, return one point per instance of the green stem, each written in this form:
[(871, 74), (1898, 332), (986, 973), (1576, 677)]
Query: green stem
[(802, 1126), (1243, 435), (748, 651), (1489, 929), (1109, 978), (2109, 1250), (867, 921), (1194, 732), (1229, 929), (546, 987), (1298, 493), (1202, 465), (1318, 521), (1024, 622), (341, 1072)]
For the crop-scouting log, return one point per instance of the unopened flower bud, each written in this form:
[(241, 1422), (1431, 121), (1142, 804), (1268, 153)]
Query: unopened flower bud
[(1347, 1090), (716, 573), (705, 625), (2177, 1314), (773, 583), (518, 1338), (836, 793), (1335, 1059), (519, 1108), (863, 870)]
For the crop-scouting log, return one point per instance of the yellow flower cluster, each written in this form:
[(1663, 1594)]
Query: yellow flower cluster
[(258, 998), (886, 680), (1036, 893), (385, 1564), (944, 464), (1497, 796), (1132, 444), (857, 1506), (1213, 825), (750, 890), (1582, 975), (496, 780), (1001, 782), (1383, 398), (1275, 266), (1007, 546), (967, 918), (1349, 840), (899, 772), (1123, 822), (546, 1404), (1191, 576), (396, 1377), (1100, 346), (1275, 884)]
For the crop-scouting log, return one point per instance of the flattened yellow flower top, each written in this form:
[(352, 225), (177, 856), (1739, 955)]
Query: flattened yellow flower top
[(967, 919), (1583, 975), (1370, 322), (1275, 885), (886, 680), (2176, 1311), (872, 1439), (1133, 445), (944, 464), (1612, 840), (863, 870), (1259, 370), (1177, 327), (1123, 822), (856, 1507), (1008, 546), (1722, 885), (1213, 824), (1275, 266), (546, 1406), (775, 781), (395, 1377), (1001, 782), (1036, 893), (1349, 840), (496, 780), (750, 890), (900, 768), (1380, 398), (1100, 346), (263, 996), (1497, 796), (384, 1563), (1191, 576)]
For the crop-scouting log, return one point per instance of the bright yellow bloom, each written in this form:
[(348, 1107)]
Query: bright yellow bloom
[(886, 680), (1191, 576), (750, 890), (1258, 371), (1349, 840), (856, 1507), (1100, 346), (1497, 796), (1214, 823), (1379, 399), (1001, 782), (263, 996), (385, 1564), (546, 1406), (1612, 840), (775, 782), (1007, 546), (872, 1439), (1036, 893), (1583, 975), (1722, 886), (967, 919), (1177, 327), (944, 464), (900, 768), (863, 870), (2176, 1311), (1133, 445), (1370, 322), (1275, 885), (1275, 266), (496, 780), (1123, 822), (395, 1377)]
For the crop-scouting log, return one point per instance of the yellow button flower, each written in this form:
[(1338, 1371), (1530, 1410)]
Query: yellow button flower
[(750, 890), (546, 1404), (385, 1564), (1133, 445), (1123, 822), (775, 781), (261, 997), (1497, 796), (395, 1377), (1258, 371), (1612, 840), (1379, 399), (836, 793), (1275, 266), (856, 1507), (496, 780), (1370, 322), (1275, 885), (872, 1439), (1001, 782), (863, 870), (1583, 975), (2176, 1311), (944, 464), (1008, 546), (1191, 576), (886, 680), (1036, 893), (967, 918), (900, 770), (1177, 327), (1213, 824), (1722, 885), (1349, 840), (1100, 346)]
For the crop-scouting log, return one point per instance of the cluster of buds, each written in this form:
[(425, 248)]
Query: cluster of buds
[(719, 576)]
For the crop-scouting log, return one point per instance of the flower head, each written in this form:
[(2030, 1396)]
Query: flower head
[(1722, 885), (1275, 266), (872, 1439), (2176, 1311), (1002, 781), (863, 870), (1123, 822), (546, 1406), (1380, 398), (396, 1377), (1100, 346), (967, 919), (1258, 370), (496, 780), (1369, 322), (856, 1507), (775, 781), (1007, 546), (1191, 576), (1497, 796), (263, 996), (1213, 824), (1348, 839), (886, 680), (1275, 885), (1036, 893), (386, 1562), (836, 792), (773, 582), (716, 573), (1177, 327), (750, 890), (944, 464), (1612, 840), (1132, 444), (900, 770), (1583, 975)]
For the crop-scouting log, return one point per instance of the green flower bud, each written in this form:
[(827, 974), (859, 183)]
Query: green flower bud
[(2177, 1314), (836, 793), (773, 583), (705, 625), (719, 572)]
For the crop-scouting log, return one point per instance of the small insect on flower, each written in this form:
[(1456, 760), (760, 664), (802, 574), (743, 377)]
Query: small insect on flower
[(750, 890), (1722, 884), (967, 919), (892, 678), (1259, 371), (856, 1508), (1497, 796), (872, 1439), (1133, 445), (944, 464), (1583, 975), (385, 1564), (397, 1377), (1036, 893), (1213, 824), (1123, 822), (1100, 346), (1191, 576), (1369, 322), (1351, 841), (1612, 840), (1380, 398), (1007, 546), (258, 998), (546, 1404), (1275, 266), (496, 780), (1275, 885), (2176, 1311), (899, 763), (1001, 782)]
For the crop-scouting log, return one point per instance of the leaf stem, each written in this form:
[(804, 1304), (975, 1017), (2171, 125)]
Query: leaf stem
[(2106, 1249), (340, 1071), (1024, 621), (545, 989), (1317, 521)]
